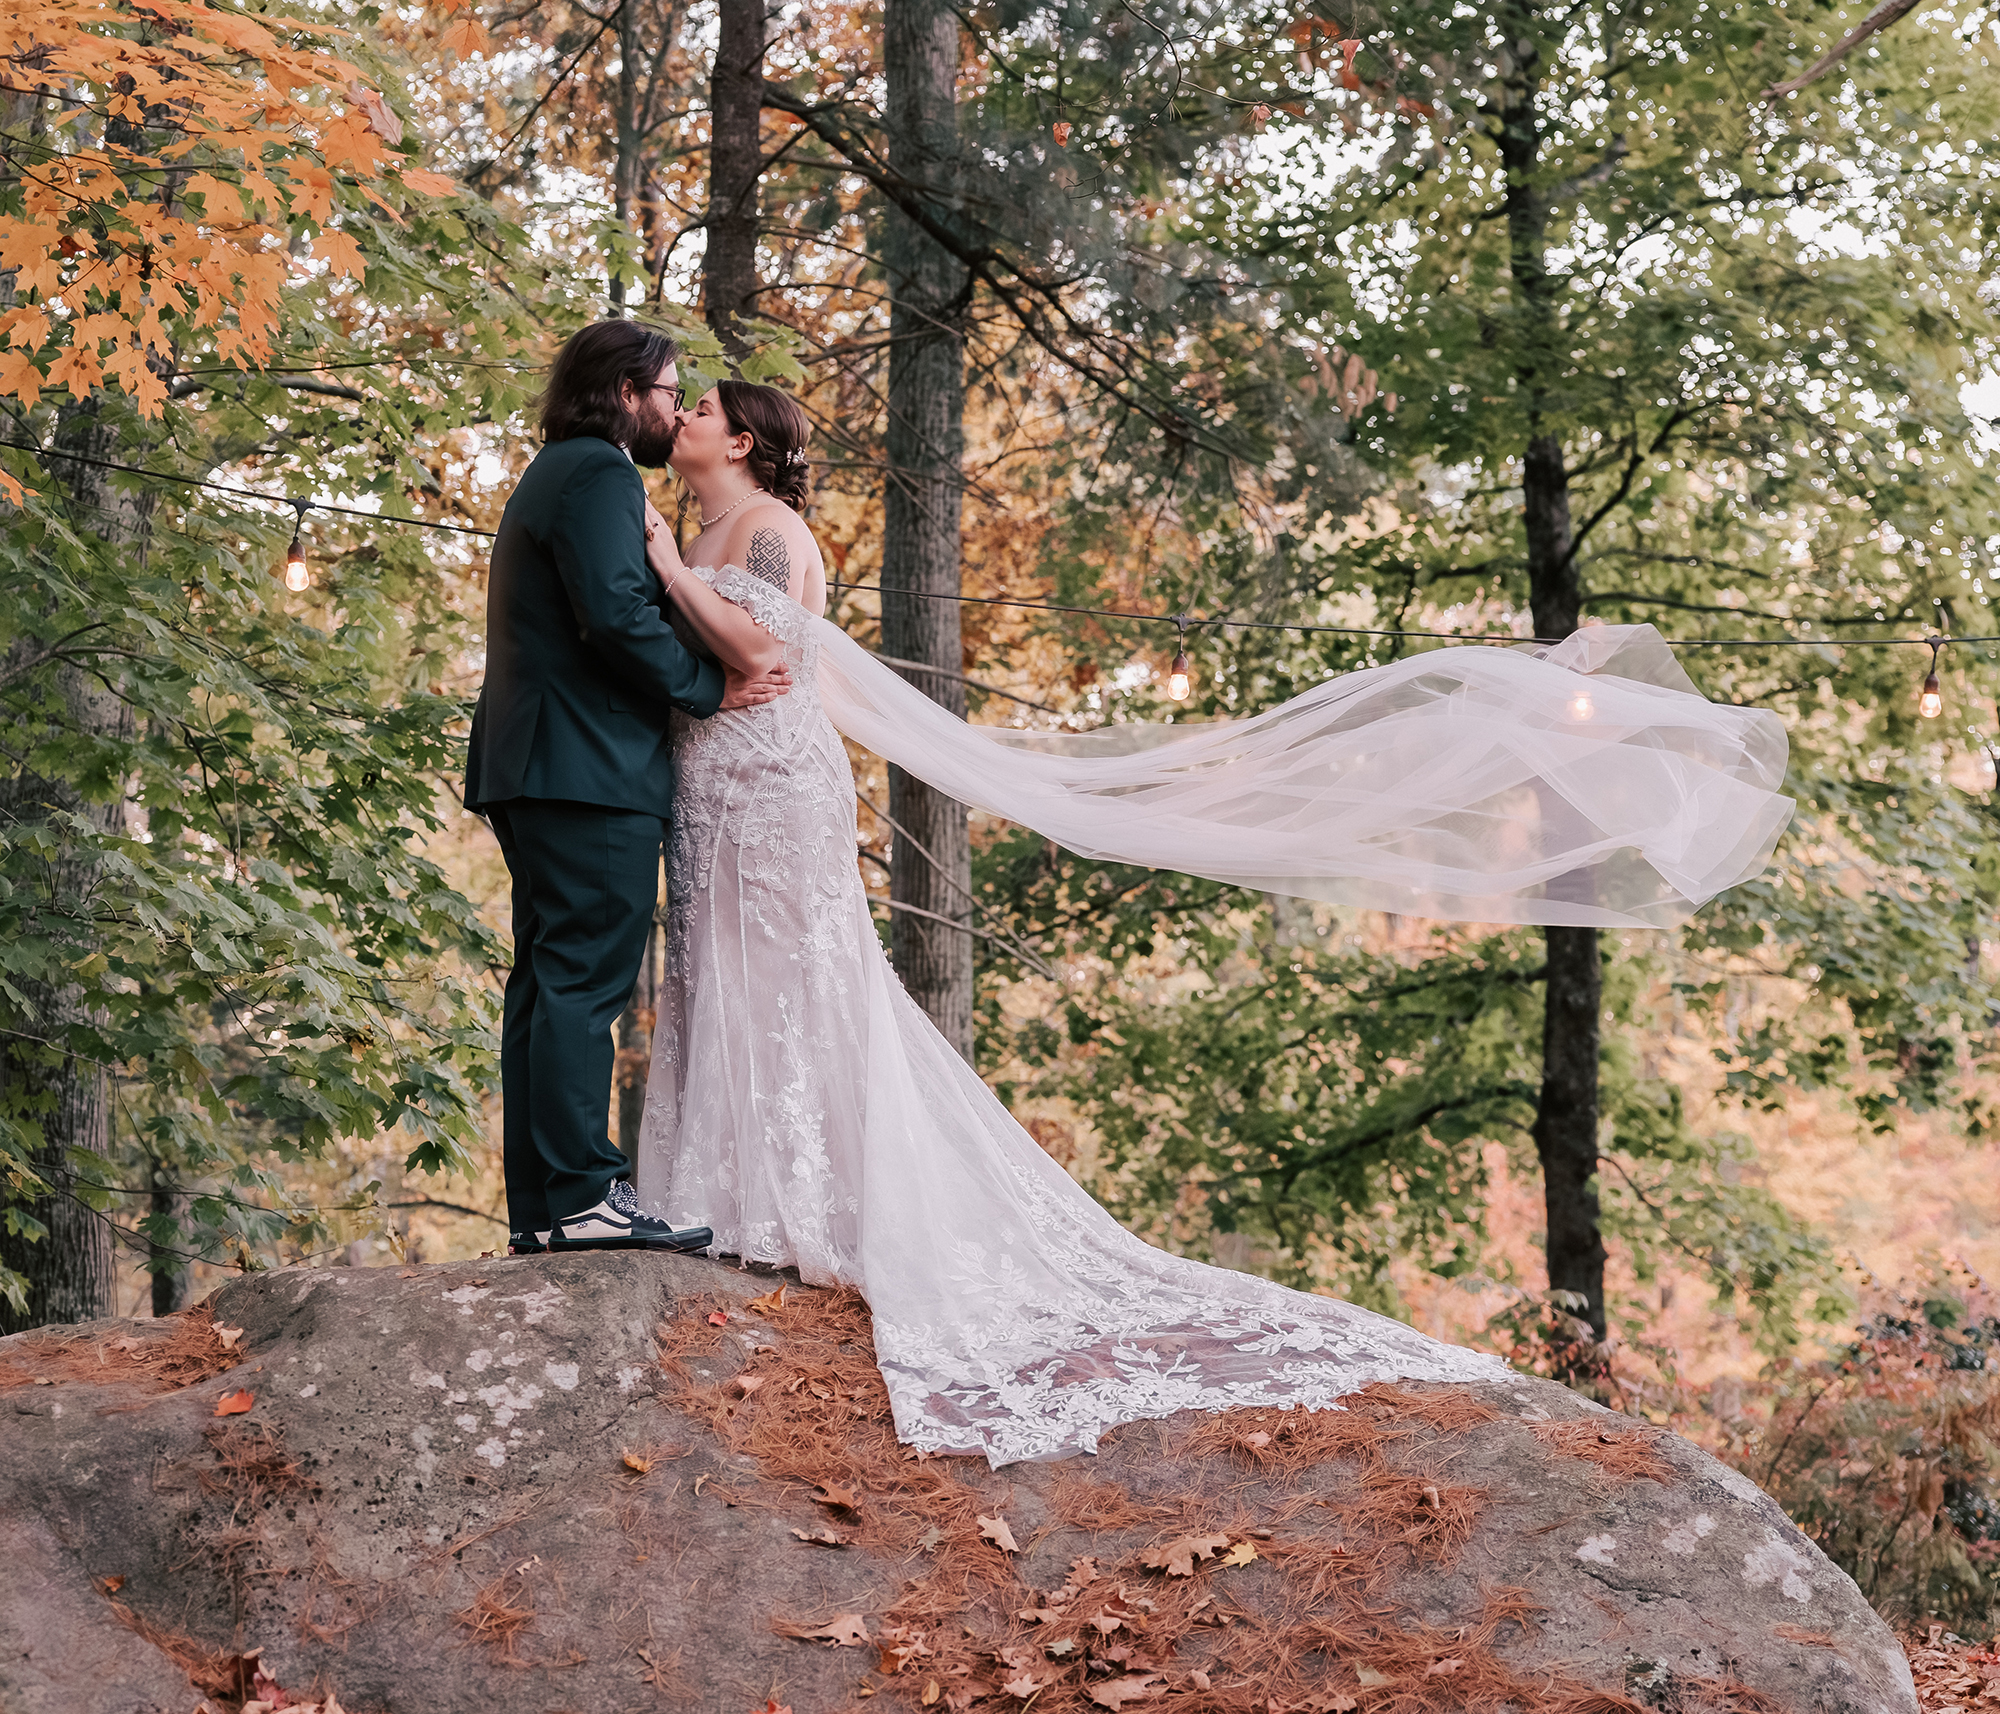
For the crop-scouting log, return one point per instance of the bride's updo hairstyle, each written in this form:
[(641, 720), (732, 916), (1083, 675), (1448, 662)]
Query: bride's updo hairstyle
[(777, 429)]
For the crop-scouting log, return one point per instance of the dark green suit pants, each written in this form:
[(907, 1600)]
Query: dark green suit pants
[(586, 879)]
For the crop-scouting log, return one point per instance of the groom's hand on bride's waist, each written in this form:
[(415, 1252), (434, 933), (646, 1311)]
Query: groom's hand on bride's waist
[(746, 690)]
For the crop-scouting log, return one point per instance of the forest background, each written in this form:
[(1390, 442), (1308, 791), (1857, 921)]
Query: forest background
[(1386, 324)]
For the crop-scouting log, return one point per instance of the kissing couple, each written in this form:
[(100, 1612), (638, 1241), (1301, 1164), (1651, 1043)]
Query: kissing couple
[(801, 1110)]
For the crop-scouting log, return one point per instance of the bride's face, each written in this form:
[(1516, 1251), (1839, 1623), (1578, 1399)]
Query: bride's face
[(706, 442)]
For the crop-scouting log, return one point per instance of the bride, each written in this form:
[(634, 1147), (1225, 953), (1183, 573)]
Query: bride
[(802, 1105)]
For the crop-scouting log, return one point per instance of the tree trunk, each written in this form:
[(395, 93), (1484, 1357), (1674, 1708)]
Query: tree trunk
[(170, 1272), (930, 863), (1565, 1128), (627, 142), (69, 1269), (735, 163)]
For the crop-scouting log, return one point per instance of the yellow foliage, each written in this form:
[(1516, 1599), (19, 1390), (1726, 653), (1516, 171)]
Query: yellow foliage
[(194, 140)]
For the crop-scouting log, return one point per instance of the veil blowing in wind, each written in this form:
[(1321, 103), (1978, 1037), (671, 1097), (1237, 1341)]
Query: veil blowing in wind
[(802, 1105)]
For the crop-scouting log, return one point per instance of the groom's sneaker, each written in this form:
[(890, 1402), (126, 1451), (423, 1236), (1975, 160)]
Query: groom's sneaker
[(617, 1224), (527, 1243)]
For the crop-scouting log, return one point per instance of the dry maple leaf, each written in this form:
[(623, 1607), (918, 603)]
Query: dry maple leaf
[(770, 1303), (1177, 1558), (228, 1335), (1241, 1554), (1443, 1668), (843, 1630), (898, 1647), (111, 1585), (1370, 1679), (717, 1318), (821, 1538), (996, 1531), (745, 1385), (1024, 1685), (1116, 1692), (376, 111), (844, 1499), (633, 1461), (234, 1404)]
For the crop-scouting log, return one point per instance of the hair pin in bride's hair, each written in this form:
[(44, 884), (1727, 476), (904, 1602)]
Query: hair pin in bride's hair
[(796, 456)]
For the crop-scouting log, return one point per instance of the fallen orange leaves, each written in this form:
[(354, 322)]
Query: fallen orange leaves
[(234, 1404), (1177, 1558), (1116, 1692), (843, 1630), (996, 1531)]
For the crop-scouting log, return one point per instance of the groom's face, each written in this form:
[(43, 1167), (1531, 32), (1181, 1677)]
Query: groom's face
[(654, 419)]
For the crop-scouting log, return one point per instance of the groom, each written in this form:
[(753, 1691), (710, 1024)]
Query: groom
[(570, 764)]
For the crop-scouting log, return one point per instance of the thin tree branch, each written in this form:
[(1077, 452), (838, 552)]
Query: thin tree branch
[(1873, 25)]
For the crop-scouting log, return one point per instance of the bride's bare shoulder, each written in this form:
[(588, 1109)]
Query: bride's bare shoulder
[(771, 542)]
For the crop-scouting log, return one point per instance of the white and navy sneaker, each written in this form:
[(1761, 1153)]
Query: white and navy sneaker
[(616, 1223)]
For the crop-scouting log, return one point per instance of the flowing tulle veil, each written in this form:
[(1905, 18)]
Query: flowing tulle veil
[(1585, 784), (802, 1105)]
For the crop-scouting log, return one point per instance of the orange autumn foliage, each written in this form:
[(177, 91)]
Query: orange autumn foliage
[(165, 157)]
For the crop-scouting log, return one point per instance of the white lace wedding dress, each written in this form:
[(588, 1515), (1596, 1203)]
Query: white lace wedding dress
[(802, 1105)]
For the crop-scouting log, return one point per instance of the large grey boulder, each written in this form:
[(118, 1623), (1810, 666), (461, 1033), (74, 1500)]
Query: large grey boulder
[(614, 1482)]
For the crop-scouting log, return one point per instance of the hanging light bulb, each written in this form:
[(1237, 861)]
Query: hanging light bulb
[(1930, 704), (1180, 676), (298, 575)]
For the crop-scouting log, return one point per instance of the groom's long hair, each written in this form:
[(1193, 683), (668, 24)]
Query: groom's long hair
[(583, 391)]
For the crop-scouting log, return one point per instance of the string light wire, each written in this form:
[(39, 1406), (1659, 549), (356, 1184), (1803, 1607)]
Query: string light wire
[(298, 577), (245, 493), (1189, 622)]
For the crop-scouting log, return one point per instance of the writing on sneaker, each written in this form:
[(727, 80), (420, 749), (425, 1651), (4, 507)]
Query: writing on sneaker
[(618, 1223)]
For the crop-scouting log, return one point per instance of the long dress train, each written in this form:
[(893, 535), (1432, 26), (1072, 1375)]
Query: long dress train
[(802, 1105)]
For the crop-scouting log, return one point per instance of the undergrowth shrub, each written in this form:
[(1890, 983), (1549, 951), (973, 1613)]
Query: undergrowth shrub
[(1887, 1454)]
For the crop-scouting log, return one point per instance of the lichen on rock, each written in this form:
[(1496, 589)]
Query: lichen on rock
[(625, 1481)]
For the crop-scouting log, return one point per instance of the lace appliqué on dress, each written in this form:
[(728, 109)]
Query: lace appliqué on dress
[(802, 1105)]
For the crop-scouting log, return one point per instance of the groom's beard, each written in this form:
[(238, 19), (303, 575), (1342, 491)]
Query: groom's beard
[(653, 443)]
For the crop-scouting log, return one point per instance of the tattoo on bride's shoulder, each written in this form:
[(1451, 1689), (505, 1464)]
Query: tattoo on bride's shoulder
[(770, 561)]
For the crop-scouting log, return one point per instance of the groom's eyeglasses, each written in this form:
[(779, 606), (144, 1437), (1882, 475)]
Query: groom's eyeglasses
[(679, 392)]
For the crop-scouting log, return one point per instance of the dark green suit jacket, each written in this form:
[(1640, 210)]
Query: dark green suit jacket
[(581, 664)]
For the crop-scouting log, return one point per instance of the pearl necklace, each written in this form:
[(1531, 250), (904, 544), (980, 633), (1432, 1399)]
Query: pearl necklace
[(708, 523)]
